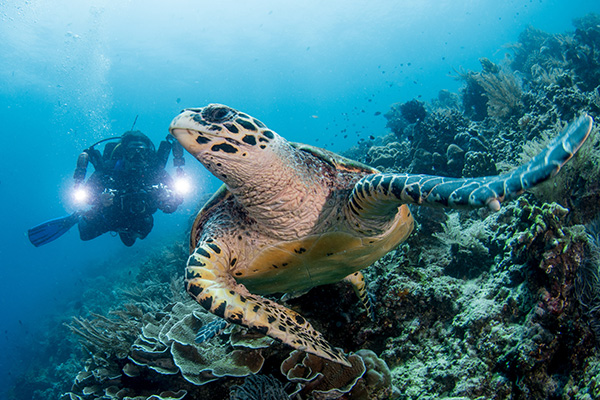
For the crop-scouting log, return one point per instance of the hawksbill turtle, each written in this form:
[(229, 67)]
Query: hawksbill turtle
[(290, 217)]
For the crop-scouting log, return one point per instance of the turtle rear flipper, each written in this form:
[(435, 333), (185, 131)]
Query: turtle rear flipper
[(357, 280), (209, 282), (376, 195)]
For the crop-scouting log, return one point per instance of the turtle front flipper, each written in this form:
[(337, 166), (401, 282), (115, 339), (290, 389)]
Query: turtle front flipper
[(377, 195), (209, 282)]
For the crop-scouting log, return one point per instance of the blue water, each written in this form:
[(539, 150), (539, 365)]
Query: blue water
[(74, 72)]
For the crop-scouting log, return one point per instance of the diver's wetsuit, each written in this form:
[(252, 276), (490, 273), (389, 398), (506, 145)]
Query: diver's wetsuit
[(134, 193)]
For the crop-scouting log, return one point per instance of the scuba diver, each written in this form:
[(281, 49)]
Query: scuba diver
[(128, 185)]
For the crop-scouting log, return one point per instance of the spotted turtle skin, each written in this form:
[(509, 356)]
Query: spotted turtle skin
[(290, 217)]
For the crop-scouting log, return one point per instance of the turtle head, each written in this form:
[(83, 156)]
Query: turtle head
[(220, 136), (236, 148)]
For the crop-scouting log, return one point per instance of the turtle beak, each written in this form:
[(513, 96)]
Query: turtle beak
[(190, 139), (184, 129)]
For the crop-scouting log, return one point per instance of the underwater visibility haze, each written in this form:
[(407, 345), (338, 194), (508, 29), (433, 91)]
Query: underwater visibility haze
[(473, 305)]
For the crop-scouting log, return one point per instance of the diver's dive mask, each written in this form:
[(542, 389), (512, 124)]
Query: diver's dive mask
[(137, 153)]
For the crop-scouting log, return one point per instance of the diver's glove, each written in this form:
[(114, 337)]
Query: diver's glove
[(107, 197), (168, 200)]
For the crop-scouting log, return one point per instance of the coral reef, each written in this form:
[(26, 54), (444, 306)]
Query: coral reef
[(386, 157), (111, 337), (167, 345), (504, 331), (531, 95)]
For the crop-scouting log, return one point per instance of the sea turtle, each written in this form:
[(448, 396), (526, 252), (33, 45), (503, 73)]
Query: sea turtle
[(290, 217)]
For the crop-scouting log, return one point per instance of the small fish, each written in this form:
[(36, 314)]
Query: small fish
[(314, 116), (377, 113)]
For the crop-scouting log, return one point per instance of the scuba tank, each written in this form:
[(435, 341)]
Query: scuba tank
[(87, 155)]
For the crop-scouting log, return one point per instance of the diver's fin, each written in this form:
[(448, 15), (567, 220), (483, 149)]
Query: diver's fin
[(51, 230)]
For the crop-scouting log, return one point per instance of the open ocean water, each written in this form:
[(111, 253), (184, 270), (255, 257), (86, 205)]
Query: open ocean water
[(317, 72)]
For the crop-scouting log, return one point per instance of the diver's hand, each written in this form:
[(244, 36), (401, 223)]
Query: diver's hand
[(163, 193), (107, 197), (168, 200)]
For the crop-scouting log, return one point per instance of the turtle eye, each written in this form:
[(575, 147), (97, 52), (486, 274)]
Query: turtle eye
[(217, 114)]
